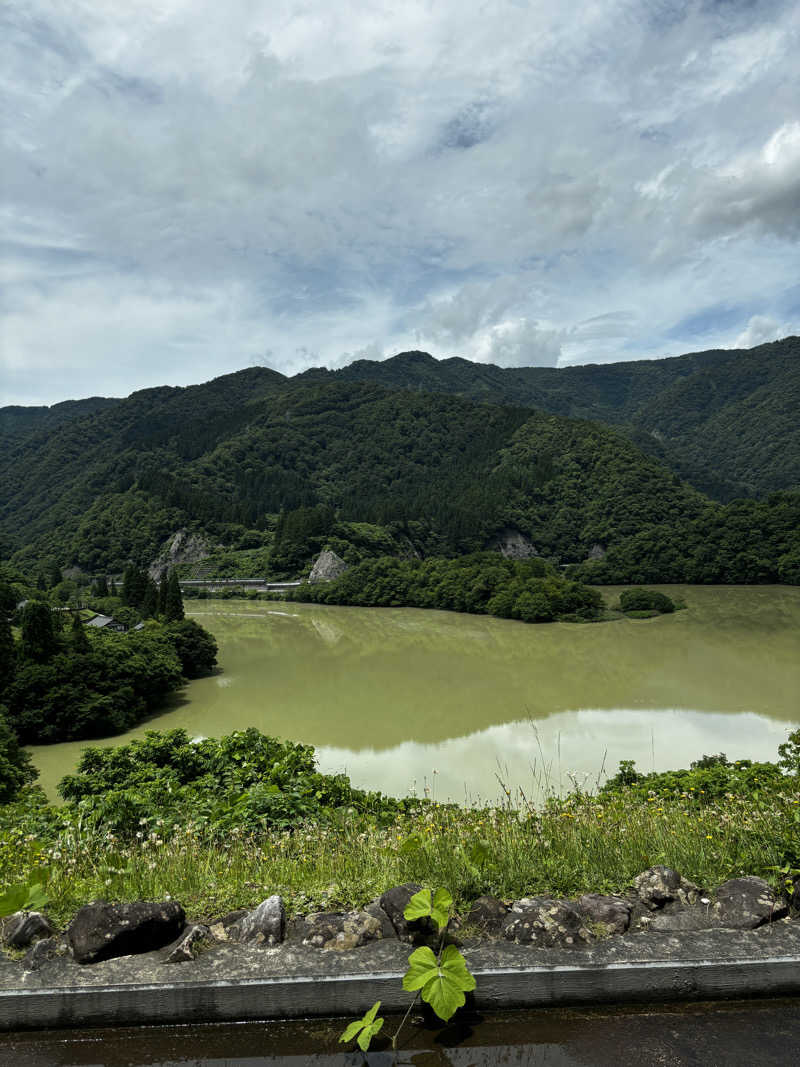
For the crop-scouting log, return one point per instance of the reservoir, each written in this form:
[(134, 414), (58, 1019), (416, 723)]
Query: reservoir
[(462, 706)]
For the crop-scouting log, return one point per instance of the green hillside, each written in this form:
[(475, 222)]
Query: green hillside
[(726, 421), (269, 469), (226, 457)]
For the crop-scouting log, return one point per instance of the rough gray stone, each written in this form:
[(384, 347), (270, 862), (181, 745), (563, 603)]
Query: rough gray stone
[(188, 943), (488, 914), (512, 544), (547, 922), (101, 931), (265, 925), (182, 547), (42, 951), (679, 920), (24, 927), (376, 911), (327, 567), (613, 912), (394, 902), (746, 903), (339, 932), (657, 886)]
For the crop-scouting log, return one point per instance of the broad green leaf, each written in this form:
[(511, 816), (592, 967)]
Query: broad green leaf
[(442, 984), (13, 899), (422, 967), (367, 1034), (37, 898), (364, 1029), (419, 907), (352, 1030), (440, 908), (373, 1011), (27, 896)]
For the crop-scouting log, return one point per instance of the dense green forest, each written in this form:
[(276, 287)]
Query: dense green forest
[(61, 680), (746, 542), (482, 584), (268, 470), (440, 474), (703, 414)]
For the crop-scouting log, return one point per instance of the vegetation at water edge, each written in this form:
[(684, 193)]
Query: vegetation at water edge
[(229, 838)]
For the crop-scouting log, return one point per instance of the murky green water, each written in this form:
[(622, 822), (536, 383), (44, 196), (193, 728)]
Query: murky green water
[(403, 699)]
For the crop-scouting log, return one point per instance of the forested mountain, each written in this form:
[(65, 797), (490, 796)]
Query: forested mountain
[(229, 455), (277, 467), (19, 422), (725, 420)]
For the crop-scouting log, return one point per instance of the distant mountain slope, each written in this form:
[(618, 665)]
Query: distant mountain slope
[(724, 420), (227, 456), (18, 422)]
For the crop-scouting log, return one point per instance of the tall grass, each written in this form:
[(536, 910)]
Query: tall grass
[(577, 844)]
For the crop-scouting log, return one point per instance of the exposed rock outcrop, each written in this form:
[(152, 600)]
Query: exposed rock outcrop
[(327, 567), (512, 544), (182, 547)]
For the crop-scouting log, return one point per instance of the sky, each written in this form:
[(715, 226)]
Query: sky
[(192, 187)]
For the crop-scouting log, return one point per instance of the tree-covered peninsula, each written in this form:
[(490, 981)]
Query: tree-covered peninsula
[(64, 679)]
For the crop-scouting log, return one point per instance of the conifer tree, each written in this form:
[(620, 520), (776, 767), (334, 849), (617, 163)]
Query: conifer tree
[(162, 594), (150, 602), (39, 641), (80, 642), (7, 653), (173, 611)]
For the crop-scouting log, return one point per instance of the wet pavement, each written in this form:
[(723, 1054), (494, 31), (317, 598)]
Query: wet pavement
[(752, 1033)]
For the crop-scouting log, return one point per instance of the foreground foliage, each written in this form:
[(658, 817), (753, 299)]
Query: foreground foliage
[(339, 850)]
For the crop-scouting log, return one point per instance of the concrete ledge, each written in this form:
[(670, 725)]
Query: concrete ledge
[(351, 994)]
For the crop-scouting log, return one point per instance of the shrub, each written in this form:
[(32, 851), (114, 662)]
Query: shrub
[(631, 600)]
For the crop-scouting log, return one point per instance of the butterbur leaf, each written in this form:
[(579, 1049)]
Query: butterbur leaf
[(419, 907), (27, 896), (442, 984), (440, 908)]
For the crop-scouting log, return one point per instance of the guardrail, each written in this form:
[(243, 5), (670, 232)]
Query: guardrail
[(234, 583)]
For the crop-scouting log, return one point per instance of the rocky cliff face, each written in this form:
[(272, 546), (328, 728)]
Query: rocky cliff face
[(327, 567), (182, 547), (512, 544)]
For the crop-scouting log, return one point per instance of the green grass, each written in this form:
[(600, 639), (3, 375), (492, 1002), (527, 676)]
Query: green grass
[(574, 845)]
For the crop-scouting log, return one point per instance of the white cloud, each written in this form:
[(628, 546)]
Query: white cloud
[(189, 185), (761, 328)]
